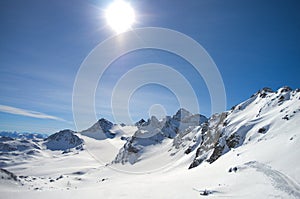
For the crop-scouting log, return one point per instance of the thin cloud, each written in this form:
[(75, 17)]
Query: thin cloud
[(28, 113)]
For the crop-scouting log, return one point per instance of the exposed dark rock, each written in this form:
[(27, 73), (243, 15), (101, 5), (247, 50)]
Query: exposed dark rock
[(195, 163), (7, 175), (286, 117), (233, 141), (281, 98), (206, 192), (234, 169), (188, 150), (285, 89), (263, 92), (218, 151), (262, 130)]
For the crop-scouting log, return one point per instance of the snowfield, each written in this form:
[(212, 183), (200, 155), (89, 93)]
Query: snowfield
[(249, 151)]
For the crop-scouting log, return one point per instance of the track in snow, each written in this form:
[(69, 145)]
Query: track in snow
[(280, 180)]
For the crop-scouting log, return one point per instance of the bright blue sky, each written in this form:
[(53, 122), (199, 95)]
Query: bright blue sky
[(254, 43)]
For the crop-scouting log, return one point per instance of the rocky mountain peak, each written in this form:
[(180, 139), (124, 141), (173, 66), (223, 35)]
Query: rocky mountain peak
[(181, 114), (263, 92), (105, 124), (63, 140), (100, 130), (284, 89), (140, 122)]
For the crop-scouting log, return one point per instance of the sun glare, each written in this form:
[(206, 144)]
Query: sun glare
[(120, 16)]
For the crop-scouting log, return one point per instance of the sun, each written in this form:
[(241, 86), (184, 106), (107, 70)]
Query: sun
[(120, 16)]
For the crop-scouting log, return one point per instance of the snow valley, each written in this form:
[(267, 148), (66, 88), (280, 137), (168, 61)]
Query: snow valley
[(249, 151)]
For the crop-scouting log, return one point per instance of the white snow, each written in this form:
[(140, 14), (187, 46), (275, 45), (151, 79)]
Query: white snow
[(266, 160)]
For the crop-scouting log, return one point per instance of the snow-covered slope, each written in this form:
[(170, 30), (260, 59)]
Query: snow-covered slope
[(251, 151), (25, 148), (259, 117), (15, 150)]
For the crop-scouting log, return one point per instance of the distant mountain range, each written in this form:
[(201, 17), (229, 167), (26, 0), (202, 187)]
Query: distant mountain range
[(256, 141), (23, 135)]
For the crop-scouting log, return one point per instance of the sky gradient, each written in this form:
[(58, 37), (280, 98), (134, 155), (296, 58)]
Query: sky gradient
[(255, 44)]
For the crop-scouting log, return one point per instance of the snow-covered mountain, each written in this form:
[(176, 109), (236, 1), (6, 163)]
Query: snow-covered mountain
[(100, 130), (154, 132), (265, 112), (249, 151), (63, 140)]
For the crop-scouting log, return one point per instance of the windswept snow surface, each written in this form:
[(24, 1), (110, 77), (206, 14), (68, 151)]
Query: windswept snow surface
[(255, 150)]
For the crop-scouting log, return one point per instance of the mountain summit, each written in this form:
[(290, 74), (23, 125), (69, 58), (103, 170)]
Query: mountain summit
[(63, 140), (100, 130)]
